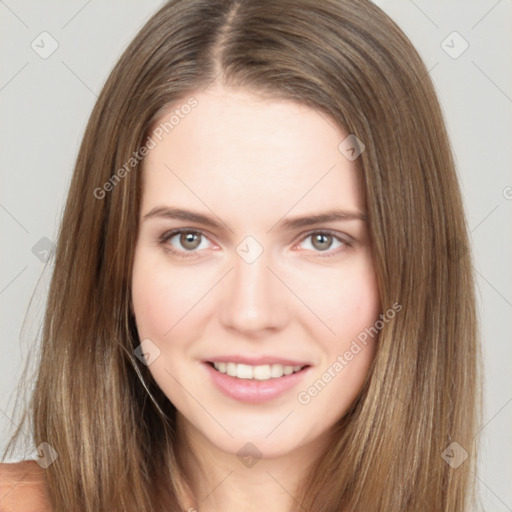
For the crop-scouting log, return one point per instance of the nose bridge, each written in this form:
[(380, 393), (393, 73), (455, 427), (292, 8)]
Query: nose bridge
[(253, 299)]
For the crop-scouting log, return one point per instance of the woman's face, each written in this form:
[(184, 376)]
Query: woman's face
[(256, 283)]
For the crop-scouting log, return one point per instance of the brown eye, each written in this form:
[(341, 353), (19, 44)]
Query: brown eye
[(184, 242), (190, 240), (325, 243), (322, 241)]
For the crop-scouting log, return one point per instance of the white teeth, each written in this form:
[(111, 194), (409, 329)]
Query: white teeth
[(262, 372), (243, 371), (276, 370), (288, 370)]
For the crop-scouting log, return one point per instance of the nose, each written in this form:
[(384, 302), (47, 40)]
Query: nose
[(254, 301)]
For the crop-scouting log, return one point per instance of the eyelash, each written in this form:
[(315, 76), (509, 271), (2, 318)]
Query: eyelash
[(346, 241)]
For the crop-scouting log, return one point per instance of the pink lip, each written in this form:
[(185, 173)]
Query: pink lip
[(254, 391)]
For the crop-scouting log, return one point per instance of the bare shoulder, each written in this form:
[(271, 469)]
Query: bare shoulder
[(23, 487)]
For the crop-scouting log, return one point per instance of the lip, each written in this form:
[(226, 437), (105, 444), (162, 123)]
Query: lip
[(254, 391)]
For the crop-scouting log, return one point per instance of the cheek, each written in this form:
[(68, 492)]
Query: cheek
[(345, 300), (350, 311), (152, 303), (358, 305), (162, 298), (348, 303)]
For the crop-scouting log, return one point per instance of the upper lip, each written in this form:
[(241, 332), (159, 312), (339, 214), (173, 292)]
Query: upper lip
[(256, 361)]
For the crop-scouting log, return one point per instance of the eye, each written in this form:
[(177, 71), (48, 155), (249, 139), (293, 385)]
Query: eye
[(186, 243), (323, 241), (183, 242)]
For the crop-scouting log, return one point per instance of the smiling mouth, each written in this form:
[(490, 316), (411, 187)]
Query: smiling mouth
[(260, 372)]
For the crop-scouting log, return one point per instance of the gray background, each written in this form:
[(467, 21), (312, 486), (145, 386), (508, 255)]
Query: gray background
[(45, 104)]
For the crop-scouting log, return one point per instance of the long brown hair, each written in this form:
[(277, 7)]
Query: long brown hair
[(97, 405)]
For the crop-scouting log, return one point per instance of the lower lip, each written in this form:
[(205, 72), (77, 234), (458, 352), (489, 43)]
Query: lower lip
[(254, 391)]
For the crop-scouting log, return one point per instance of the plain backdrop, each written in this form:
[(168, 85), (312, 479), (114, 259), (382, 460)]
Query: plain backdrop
[(45, 101)]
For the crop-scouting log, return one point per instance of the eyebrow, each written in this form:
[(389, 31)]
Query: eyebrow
[(285, 224)]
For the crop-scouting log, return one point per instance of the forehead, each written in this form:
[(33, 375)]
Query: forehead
[(239, 149)]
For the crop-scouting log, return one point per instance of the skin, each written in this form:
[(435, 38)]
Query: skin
[(249, 162)]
